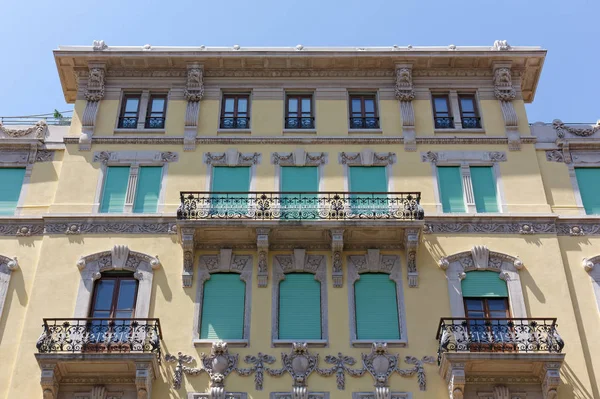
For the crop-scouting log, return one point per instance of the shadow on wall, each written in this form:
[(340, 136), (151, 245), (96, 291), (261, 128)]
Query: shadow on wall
[(573, 388), (15, 286)]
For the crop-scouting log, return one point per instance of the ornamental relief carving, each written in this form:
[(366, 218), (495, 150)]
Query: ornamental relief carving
[(231, 158), (404, 84), (299, 157), (503, 87), (300, 363), (463, 156), (194, 90), (367, 157), (37, 131), (562, 129), (95, 86)]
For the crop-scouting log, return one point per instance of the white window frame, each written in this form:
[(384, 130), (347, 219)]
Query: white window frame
[(453, 102), (464, 160), (134, 160), (143, 111)]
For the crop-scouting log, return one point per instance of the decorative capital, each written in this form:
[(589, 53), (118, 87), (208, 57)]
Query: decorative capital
[(95, 84), (194, 90), (404, 84), (503, 87)]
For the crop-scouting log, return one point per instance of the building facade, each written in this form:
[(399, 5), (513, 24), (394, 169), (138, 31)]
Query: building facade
[(299, 223)]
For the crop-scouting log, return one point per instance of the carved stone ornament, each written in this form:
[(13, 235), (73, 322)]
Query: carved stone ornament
[(258, 368), (218, 365), (503, 87), (337, 246), (180, 369), (555, 156), (300, 364), (341, 366), (404, 84), (501, 45), (37, 131), (194, 90), (262, 244), (99, 45), (367, 157), (231, 158), (299, 157), (95, 86), (561, 129), (463, 156), (492, 226), (187, 244)]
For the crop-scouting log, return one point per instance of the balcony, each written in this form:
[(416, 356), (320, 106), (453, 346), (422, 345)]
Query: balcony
[(472, 349), (155, 122), (300, 122), (128, 122), (471, 122), (367, 122), (235, 122), (444, 122)]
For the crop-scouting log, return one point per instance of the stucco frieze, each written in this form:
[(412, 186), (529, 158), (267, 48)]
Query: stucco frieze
[(128, 157), (489, 226), (561, 129), (463, 156), (367, 157), (299, 157), (231, 157), (37, 131)]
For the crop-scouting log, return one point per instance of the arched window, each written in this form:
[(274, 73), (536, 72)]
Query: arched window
[(114, 295), (223, 307), (376, 307), (300, 307)]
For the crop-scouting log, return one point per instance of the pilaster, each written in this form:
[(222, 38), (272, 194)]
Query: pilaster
[(262, 243), (405, 93), (143, 379), (50, 380), (94, 93), (187, 244), (193, 93), (337, 246), (505, 93), (465, 172)]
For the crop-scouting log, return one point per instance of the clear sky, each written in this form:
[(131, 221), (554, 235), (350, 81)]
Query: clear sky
[(568, 29)]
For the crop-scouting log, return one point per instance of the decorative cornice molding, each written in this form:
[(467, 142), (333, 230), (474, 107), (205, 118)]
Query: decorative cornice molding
[(561, 129), (299, 157), (37, 131), (231, 157), (298, 73), (488, 226), (367, 157), (128, 157), (463, 156)]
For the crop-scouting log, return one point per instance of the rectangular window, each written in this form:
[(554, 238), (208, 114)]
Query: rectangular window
[(298, 112), (376, 307), (451, 189), (11, 181), (588, 180), (303, 182), (299, 307), (155, 116), (148, 189), (363, 112), (235, 111), (468, 112), (130, 109), (373, 182), (223, 306), (484, 188), (441, 112), (115, 189), (231, 186)]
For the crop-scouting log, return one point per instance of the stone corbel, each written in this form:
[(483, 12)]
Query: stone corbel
[(411, 244), (262, 243), (50, 380), (143, 379), (193, 93), (94, 93), (456, 381), (98, 392), (505, 93), (550, 377), (337, 246), (187, 244), (405, 93)]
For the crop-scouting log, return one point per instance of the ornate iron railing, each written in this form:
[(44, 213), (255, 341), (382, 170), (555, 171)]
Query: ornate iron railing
[(498, 335), (471, 122), (100, 335), (444, 122), (235, 122), (300, 122), (128, 122), (155, 122), (299, 206), (365, 122)]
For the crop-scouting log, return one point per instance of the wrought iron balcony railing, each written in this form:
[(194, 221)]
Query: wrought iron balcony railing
[(235, 122), (498, 335), (366, 122), (471, 122), (128, 122), (300, 122), (155, 122), (444, 122), (100, 335), (299, 206)]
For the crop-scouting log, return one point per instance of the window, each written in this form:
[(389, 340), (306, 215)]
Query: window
[(363, 112), (116, 186), (223, 307), (298, 112), (299, 307), (468, 112), (588, 180), (376, 307), (303, 182), (442, 113), (234, 111), (371, 180), (484, 189), (10, 189), (130, 109), (450, 181), (155, 116), (451, 189), (231, 186)]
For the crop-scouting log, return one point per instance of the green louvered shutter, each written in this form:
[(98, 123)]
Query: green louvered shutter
[(230, 179), (484, 284), (11, 181), (299, 307), (451, 189), (376, 307), (148, 189), (115, 189), (223, 307), (303, 179), (368, 179), (484, 188), (588, 180)]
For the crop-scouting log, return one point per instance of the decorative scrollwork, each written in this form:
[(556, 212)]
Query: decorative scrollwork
[(181, 367), (258, 368), (341, 367)]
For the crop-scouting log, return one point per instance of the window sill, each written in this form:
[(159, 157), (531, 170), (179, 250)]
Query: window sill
[(232, 343), (234, 131), (453, 130), (158, 131), (320, 343), (299, 131), (367, 343), (365, 131)]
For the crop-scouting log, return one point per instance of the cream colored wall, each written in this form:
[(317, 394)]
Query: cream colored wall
[(267, 117), (42, 186), (557, 185), (332, 117)]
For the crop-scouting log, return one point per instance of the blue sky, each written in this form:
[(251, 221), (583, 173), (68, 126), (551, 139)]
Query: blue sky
[(568, 88)]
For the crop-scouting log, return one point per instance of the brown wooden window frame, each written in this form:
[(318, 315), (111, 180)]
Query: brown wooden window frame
[(235, 116), (148, 124), (446, 97), (115, 296), (122, 112), (486, 308), (476, 116), (299, 97), (363, 116)]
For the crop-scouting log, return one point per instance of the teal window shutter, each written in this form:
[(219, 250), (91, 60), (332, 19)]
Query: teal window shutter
[(11, 181), (451, 189), (230, 179), (588, 180), (223, 306), (484, 284), (484, 188), (376, 307), (115, 189), (300, 307), (368, 179), (148, 189), (303, 179)]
